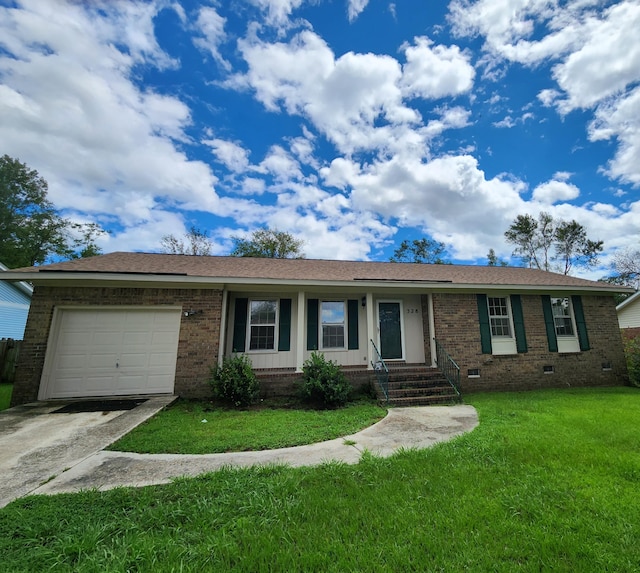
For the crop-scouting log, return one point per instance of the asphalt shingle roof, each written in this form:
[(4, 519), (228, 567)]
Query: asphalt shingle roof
[(312, 270)]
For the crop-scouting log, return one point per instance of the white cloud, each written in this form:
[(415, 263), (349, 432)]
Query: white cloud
[(211, 25), (355, 8), (72, 111), (620, 119), (232, 155), (435, 71), (554, 191), (596, 55), (448, 196)]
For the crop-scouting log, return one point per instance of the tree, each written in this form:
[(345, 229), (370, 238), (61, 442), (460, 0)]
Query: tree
[(494, 261), (544, 242), (268, 243), (81, 240), (626, 265), (194, 242), (420, 251), (31, 230)]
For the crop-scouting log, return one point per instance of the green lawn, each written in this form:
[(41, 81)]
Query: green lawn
[(5, 395), (549, 481), (196, 428)]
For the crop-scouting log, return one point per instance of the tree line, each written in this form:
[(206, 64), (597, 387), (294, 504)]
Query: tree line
[(33, 232)]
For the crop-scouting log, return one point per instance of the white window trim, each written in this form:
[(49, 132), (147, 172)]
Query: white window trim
[(345, 326), (503, 345), (567, 343), (275, 329)]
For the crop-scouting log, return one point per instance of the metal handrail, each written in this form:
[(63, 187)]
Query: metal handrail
[(381, 371), (448, 366)]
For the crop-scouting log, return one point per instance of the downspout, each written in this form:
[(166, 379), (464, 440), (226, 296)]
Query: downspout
[(223, 325)]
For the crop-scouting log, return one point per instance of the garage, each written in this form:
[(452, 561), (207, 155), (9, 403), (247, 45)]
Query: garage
[(111, 352)]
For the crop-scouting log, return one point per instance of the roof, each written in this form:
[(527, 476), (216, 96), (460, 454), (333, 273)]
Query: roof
[(628, 301), (124, 267)]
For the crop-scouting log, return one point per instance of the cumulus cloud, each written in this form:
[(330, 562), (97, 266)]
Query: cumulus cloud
[(433, 72), (554, 191), (72, 111), (595, 54)]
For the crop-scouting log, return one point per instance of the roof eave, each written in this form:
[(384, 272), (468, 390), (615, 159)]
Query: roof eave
[(54, 278)]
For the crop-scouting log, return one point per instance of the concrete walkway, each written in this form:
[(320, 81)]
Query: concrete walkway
[(73, 459)]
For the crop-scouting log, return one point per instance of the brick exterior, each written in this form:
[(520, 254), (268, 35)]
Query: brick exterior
[(457, 327), (197, 345), (630, 333)]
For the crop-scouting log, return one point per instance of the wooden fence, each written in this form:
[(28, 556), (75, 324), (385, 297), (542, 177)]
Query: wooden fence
[(9, 351)]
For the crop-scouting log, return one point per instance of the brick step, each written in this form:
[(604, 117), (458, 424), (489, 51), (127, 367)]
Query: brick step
[(420, 392), (415, 376), (418, 383), (425, 400)]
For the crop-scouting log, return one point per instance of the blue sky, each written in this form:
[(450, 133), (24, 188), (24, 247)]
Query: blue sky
[(351, 124)]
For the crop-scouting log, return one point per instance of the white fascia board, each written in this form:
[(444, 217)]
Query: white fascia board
[(627, 301)]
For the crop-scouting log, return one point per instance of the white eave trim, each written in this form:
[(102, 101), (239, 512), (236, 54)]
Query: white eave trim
[(628, 301), (177, 280)]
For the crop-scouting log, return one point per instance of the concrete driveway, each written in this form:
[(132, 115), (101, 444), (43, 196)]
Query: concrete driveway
[(36, 444), (46, 453)]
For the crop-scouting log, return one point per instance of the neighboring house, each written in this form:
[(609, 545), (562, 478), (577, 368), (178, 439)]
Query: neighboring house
[(629, 316), (137, 323), (15, 298)]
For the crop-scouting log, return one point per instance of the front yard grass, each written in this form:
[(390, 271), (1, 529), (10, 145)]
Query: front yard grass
[(5, 395), (547, 482), (188, 427)]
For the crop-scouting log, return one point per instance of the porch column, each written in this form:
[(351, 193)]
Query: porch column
[(432, 330), (300, 331), (371, 329), (223, 326)]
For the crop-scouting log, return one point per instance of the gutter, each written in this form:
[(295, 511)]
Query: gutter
[(61, 278)]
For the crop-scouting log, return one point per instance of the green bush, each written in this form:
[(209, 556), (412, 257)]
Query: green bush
[(235, 382), (632, 353), (323, 383)]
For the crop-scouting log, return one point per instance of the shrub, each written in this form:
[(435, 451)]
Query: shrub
[(323, 383), (632, 353), (235, 382)]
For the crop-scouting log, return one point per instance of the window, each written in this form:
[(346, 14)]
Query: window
[(332, 316), (262, 331), (499, 316), (562, 316)]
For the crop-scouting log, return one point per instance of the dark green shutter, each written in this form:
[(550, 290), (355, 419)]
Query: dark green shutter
[(581, 325), (485, 328), (352, 320), (240, 324), (312, 324), (284, 328), (518, 323), (549, 324)]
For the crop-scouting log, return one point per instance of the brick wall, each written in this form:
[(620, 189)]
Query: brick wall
[(457, 327), (197, 346), (630, 333)]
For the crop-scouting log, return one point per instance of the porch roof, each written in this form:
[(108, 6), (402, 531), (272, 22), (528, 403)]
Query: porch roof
[(216, 272)]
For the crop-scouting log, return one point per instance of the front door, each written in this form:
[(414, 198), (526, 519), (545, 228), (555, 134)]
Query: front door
[(390, 330)]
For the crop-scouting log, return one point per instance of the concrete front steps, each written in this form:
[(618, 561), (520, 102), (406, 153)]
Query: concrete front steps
[(417, 385)]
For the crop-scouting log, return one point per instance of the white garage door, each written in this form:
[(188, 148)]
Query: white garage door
[(114, 352)]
